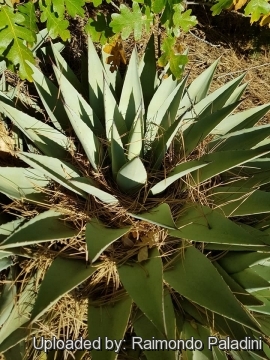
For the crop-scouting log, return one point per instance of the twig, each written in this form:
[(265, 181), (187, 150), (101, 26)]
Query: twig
[(117, 7), (205, 41), (243, 70)]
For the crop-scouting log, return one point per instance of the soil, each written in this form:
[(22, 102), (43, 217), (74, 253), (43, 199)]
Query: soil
[(242, 47)]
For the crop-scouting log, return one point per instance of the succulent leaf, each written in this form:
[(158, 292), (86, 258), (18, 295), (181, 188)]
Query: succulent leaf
[(198, 286), (63, 276), (108, 321), (60, 171), (98, 238), (131, 97), (132, 176), (144, 284), (241, 120), (65, 69), (178, 172), (49, 96), (160, 215), (47, 139), (240, 201), (20, 183), (88, 186), (44, 227), (203, 224)]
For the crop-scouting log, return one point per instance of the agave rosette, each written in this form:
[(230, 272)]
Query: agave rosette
[(194, 245)]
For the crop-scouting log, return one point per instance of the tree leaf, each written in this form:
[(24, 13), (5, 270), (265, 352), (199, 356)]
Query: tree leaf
[(73, 7), (158, 5), (99, 237), (220, 5), (130, 21), (13, 33), (177, 61), (28, 11), (55, 23), (183, 19), (99, 28), (256, 8)]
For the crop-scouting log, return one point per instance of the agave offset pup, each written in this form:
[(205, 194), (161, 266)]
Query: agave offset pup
[(148, 205)]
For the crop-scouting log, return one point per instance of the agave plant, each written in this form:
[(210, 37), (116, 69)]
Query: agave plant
[(146, 205)]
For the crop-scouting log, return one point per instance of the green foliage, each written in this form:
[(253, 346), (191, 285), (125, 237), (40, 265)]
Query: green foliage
[(134, 21), (99, 29), (220, 5), (55, 22), (255, 9), (21, 24), (183, 20), (13, 33), (189, 257), (28, 10), (176, 60)]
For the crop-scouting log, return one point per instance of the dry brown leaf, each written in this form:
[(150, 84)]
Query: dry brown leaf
[(150, 239), (117, 54), (238, 4), (127, 241), (265, 20), (143, 254)]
